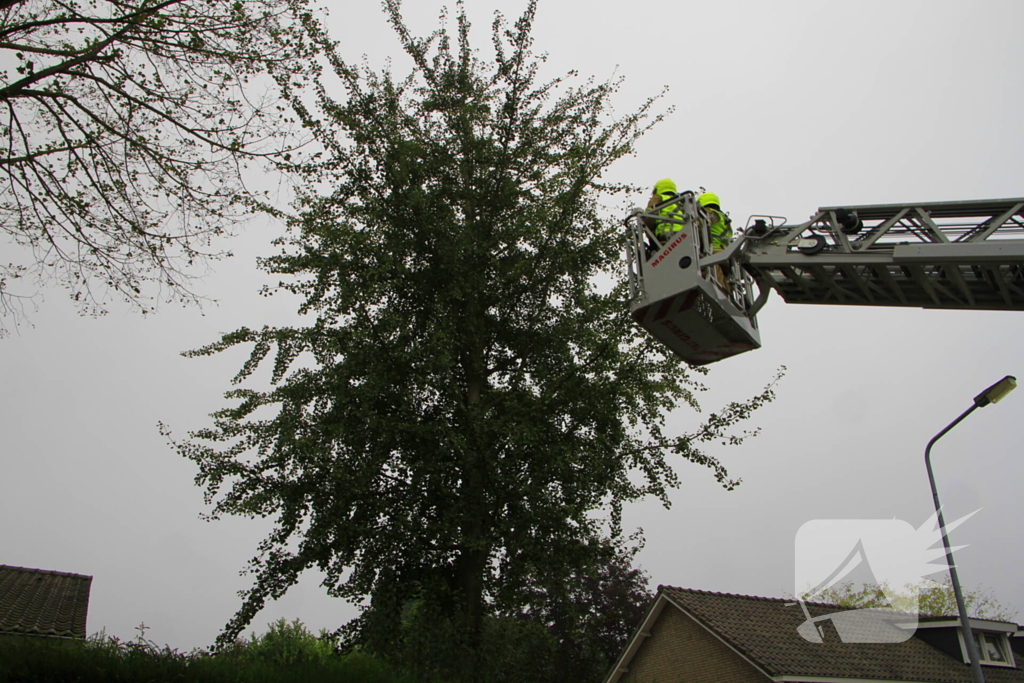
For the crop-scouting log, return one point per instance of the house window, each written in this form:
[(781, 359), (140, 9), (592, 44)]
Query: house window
[(992, 648)]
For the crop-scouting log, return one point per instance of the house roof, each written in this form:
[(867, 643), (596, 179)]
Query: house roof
[(764, 632), (45, 603)]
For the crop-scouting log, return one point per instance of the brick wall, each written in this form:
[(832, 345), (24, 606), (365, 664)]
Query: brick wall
[(680, 650)]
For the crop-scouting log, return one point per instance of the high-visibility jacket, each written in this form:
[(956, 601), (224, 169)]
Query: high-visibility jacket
[(665, 229), (665, 190), (721, 229)]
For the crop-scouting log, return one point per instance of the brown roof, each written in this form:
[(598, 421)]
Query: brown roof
[(39, 602), (764, 630)]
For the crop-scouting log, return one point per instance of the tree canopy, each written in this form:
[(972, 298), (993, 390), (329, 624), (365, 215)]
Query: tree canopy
[(470, 405), (124, 130), (931, 598)]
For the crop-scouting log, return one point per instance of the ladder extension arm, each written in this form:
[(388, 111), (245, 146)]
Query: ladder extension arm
[(966, 255)]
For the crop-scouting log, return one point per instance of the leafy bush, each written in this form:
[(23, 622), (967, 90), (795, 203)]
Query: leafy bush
[(287, 653), (285, 644)]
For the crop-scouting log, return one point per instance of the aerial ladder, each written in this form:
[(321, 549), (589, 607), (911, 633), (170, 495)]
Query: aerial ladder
[(703, 305)]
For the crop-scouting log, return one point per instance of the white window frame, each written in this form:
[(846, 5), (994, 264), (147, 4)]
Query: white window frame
[(1001, 642)]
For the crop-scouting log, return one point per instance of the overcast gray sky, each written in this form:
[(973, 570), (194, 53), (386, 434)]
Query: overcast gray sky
[(780, 107)]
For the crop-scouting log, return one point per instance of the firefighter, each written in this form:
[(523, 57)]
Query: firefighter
[(664, 190), (721, 232), (721, 226)]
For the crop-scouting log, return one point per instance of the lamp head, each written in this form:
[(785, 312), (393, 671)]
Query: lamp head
[(996, 392)]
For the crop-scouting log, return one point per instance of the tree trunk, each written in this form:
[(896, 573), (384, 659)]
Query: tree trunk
[(475, 544)]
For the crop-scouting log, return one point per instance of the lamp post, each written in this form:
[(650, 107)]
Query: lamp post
[(993, 394)]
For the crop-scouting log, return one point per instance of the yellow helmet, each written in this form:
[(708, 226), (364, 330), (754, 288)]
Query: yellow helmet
[(709, 198), (664, 186)]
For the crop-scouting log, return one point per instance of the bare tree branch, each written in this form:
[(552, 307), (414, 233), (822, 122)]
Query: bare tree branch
[(126, 129)]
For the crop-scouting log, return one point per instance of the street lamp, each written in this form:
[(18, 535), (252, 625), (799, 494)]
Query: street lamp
[(993, 394)]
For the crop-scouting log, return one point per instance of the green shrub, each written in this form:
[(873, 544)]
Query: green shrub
[(287, 653), (287, 644)]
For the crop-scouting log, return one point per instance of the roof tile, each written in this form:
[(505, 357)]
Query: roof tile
[(40, 602), (765, 631)]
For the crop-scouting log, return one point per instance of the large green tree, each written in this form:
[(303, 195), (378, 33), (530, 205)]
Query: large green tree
[(470, 406), (124, 128)]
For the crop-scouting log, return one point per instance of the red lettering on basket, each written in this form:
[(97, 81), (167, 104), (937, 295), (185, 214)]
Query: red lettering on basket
[(668, 249)]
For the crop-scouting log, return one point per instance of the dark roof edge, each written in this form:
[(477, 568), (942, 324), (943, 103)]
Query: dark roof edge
[(48, 636), (980, 624), (756, 597), (46, 571)]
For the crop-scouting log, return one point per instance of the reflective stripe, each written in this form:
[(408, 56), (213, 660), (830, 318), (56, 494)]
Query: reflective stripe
[(666, 228)]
